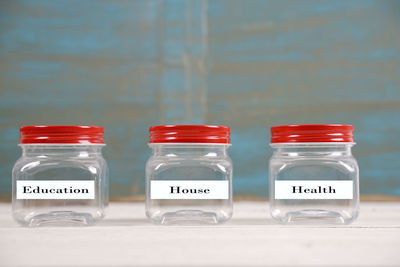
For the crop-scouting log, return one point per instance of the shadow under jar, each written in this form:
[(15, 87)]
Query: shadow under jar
[(189, 175), (61, 178), (314, 177)]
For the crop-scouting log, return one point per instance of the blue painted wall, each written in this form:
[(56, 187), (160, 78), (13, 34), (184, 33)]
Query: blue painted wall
[(127, 65)]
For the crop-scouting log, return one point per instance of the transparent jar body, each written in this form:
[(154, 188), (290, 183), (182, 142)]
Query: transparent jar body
[(314, 167), (44, 165), (194, 163)]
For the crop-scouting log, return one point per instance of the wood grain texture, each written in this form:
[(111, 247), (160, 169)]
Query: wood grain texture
[(127, 65)]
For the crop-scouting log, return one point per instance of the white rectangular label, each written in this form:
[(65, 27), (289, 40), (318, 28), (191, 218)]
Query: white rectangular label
[(320, 189), (172, 189), (48, 189)]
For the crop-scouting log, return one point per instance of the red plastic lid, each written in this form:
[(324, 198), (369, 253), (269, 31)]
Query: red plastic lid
[(312, 133), (45, 134), (189, 134)]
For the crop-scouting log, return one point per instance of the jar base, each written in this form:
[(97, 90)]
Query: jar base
[(314, 217), (61, 218), (189, 217)]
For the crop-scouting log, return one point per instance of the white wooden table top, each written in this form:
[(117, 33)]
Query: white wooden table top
[(251, 238)]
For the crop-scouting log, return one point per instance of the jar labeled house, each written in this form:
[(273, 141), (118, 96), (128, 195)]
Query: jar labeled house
[(61, 177), (189, 174), (313, 174)]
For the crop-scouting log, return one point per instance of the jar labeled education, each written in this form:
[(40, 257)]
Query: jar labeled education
[(61, 177), (189, 174), (313, 174)]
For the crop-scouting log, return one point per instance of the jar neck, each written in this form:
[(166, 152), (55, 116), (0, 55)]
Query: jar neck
[(65, 150), (189, 150), (312, 149)]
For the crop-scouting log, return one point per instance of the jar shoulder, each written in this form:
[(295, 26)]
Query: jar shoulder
[(155, 160), (349, 159), (32, 165), (310, 166), (159, 164)]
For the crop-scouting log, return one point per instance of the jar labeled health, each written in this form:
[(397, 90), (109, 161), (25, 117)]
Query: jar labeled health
[(313, 174), (61, 177), (189, 174)]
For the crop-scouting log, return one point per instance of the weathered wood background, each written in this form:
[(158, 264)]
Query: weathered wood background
[(127, 65)]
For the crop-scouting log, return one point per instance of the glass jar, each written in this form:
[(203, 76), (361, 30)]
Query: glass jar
[(189, 175), (313, 175), (61, 177)]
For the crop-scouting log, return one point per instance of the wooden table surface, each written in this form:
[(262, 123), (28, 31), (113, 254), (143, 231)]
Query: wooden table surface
[(251, 238)]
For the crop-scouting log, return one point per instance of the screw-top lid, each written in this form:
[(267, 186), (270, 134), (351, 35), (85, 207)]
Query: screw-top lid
[(189, 134), (51, 134), (312, 133)]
